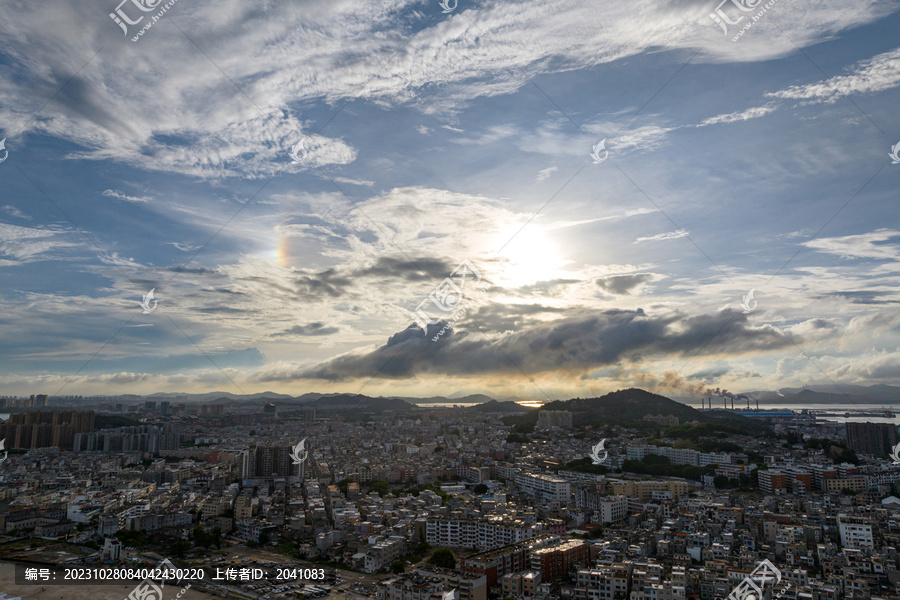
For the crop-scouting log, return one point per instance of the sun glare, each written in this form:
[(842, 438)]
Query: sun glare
[(531, 257)]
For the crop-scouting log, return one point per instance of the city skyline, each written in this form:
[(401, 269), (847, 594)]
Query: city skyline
[(260, 198)]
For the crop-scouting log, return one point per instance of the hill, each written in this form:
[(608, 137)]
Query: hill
[(358, 402), (629, 407)]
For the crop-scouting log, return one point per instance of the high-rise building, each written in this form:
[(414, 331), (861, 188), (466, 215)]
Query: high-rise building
[(877, 439), (549, 419), (44, 429), (270, 461), (309, 414), (141, 438)]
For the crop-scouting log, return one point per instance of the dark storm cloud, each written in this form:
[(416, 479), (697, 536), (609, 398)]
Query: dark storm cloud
[(623, 284), (310, 329), (710, 373), (507, 317), (336, 283), (418, 269), (576, 343)]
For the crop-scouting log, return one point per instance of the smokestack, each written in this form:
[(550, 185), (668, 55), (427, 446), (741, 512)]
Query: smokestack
[(725, 402), (748, 403), (732, 404), (757, 405)]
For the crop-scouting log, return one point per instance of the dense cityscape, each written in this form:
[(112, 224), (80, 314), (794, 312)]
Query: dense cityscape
[(473, 501)]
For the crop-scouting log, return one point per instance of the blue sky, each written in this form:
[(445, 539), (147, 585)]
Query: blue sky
[(430, 139)]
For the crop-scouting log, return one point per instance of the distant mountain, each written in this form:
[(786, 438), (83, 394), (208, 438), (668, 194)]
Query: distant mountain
[(494, 406), (211, 396), (470, 399), (887, 395), (285, 399), (358, 402), (632, 405)]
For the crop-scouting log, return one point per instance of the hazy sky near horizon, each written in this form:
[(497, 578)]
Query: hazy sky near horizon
[(429, 139)]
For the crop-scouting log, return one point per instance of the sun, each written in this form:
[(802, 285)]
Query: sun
[(531, 256)]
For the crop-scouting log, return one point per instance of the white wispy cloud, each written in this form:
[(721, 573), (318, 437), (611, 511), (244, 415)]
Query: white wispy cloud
[(544, 174), (671, 235), (743, 115), (29, 244), (350, 181), (15, 212), (879, 73), (873, 245), (117, 111), (120, 196)]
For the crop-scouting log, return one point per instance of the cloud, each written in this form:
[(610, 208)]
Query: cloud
[(121, 196), (28, 244), (184, 247), (882, 72), (745, 115), (495, 133), (544, 174), (307, 330), (424, 130), (14, 212), (623, 284), (881, 244), (235, 117), (574, 345), (347, 180), (671, 235)]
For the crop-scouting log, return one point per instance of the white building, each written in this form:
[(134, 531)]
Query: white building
[(548, 487), (613, 509), (856, 533)]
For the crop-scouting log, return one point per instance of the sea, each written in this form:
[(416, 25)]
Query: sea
[(840, 413)]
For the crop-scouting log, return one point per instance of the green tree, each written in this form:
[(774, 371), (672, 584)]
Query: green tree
[(379, 486), (397, 567), (480, 489), (131, 538), (180, 547), (443, 557), (723, 482)]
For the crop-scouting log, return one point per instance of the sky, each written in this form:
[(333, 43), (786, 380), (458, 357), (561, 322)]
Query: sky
[(575, 196)]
